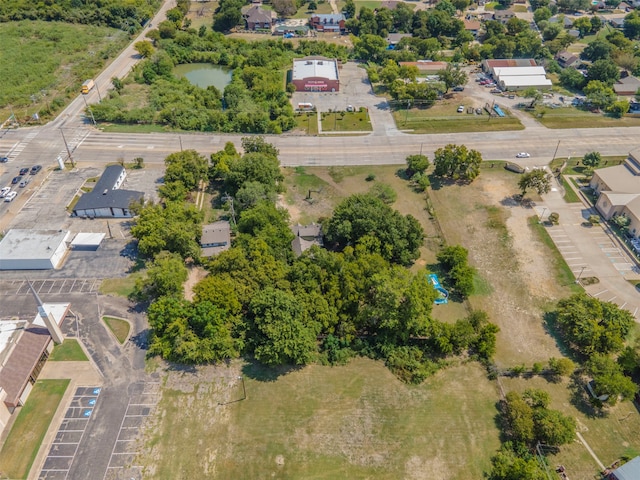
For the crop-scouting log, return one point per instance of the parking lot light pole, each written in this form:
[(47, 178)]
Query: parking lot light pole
[(581, 271), (542, 216), (244, 390)]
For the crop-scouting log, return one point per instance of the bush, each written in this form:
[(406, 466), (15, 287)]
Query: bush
[(554, 218)]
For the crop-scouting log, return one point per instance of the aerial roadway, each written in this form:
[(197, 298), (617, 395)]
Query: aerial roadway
[(72, 134)]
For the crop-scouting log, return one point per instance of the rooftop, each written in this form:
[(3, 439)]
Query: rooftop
[(315, 67), (518, 71), (628, 471), (216, 237), (109, 178), (97, 199), (619, 179), (31, 244)]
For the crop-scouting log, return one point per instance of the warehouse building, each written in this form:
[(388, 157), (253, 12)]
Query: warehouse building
[(107, 200), (315, 74), (33, 249), (521, 78)]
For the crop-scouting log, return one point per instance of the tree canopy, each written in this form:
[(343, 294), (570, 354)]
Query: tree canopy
[(457, 162)]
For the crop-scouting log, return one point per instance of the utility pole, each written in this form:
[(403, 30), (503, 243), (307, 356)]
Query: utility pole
[(67, 147), (98, 90), (109, 228), (244, 390), (229, 198), (554, 153), (180, 138)]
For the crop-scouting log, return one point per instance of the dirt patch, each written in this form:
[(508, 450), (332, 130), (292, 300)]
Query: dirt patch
[(195, 275)]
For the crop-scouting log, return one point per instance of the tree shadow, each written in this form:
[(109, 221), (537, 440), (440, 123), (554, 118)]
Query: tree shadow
[(266, 373), (402, 174), (182, 368), (141, 339), (580, 399), (510, 201), (550, 324)]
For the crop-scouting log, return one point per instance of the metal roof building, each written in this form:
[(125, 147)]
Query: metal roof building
[(628, 471), (315, 74), (33, 249)]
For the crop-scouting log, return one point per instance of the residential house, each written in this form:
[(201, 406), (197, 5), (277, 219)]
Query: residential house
[(393, 39), (627, 85), (503, 16), (625, 7), (617, 22), (472, 26), (216, 238), (574, 33), (618, 191), (305, 237), (565, 21), (566, 59), (258, 18), (332, 22)]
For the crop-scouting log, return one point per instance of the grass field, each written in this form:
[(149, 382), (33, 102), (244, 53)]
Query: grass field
[(49, 61), (355, 421), (119, 327), (571, 117), (69, 351), (23, 442), (346, 122), (122, 287), (308, 122)]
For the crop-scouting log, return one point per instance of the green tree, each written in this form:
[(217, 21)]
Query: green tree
[(599, 94), (384, 192), (534, 94), (538, 180), (282, 333), (187, 167), (457, 162), (609, 379), (592, 159), (144, 48), (270, 224), (349, 9), (417, 164), (451, 76), (603, 70), (583, 25), (519, 416), (542, 14), (369, 47), (619, 108), (536, 398), (508, 465), (553, 428), (313, 6), (360, 216), (596, 50), (253, 167), (165, 277), (572, 78), (592, 326), (632, 25), (227, 15)]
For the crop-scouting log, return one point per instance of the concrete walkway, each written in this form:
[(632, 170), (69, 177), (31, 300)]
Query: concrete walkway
[(592, 251)]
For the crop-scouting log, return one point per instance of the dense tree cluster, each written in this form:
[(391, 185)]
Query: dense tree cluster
[(128, 15), (459, 274), (609, 379), (457, 162)]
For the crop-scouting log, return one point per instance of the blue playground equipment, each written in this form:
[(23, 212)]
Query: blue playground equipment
[(498, 110), (443, 294)]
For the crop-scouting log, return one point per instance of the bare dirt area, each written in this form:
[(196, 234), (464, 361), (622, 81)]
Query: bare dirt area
[(195, 275), (484, 218)]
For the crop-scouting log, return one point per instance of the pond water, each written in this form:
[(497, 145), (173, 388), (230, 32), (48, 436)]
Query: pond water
[(204, 74)]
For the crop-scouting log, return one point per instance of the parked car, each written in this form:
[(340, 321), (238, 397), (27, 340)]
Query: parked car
[(523, 155), (496, 90), (4, 159), (461, 109), (459, 88), (24, 182), (15, 180), (10, 196), (4, 191), (24, 171), (35, 169)]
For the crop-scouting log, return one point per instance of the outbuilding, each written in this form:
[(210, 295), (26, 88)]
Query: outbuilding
[(33, 249), (315, 74)]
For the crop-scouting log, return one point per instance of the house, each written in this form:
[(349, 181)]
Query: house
[(393, 39), (257, 18), (566, 59), (617, 22), (472, 26), (625, 7), (485, 16), (216, 238), (306, 236), (627, 85), (618, 191), (573, 33), (503, 16), (332, 22), (107, 199), (628, 471), (566, 22)]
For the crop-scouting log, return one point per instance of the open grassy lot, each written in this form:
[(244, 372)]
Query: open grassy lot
[(49, 61), (570, 117), (201, 13), (122, 287), (23, 442), (119, 327), (307, 122), (68, 351), (346, 122), (354, 421), (442, 117), (610, 436)]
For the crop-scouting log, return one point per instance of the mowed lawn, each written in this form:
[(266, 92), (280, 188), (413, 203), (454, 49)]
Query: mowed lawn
[(353, 421), (571, 117), (30, 427)]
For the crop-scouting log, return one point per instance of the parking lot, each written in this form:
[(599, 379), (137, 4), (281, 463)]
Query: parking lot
[(50, 287), (70, 434)]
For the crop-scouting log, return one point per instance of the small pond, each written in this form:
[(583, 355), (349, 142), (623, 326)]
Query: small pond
[(204, 74)]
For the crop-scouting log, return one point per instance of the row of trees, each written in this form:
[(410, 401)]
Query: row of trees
[(128, 15)]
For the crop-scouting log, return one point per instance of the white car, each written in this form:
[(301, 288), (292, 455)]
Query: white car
[(523, 155), (10, 196), (4, 191), (461, 109)]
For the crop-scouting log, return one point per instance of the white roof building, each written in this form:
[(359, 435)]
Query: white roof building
[(33, 249), (518, 71), (315, 67), (522, 82)]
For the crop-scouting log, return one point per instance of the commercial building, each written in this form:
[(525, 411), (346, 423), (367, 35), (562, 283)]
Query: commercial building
[(33, 249), (618, 191), (315, 74), (216, 238), (489, 64), (519, 77), (107, 200)]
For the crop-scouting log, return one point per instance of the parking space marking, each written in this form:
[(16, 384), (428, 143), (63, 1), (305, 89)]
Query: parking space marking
[(63, 285), (62, 451)]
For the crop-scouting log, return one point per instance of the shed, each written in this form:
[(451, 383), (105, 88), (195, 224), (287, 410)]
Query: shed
[(87, 241), (628, 471), (33, 249)]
